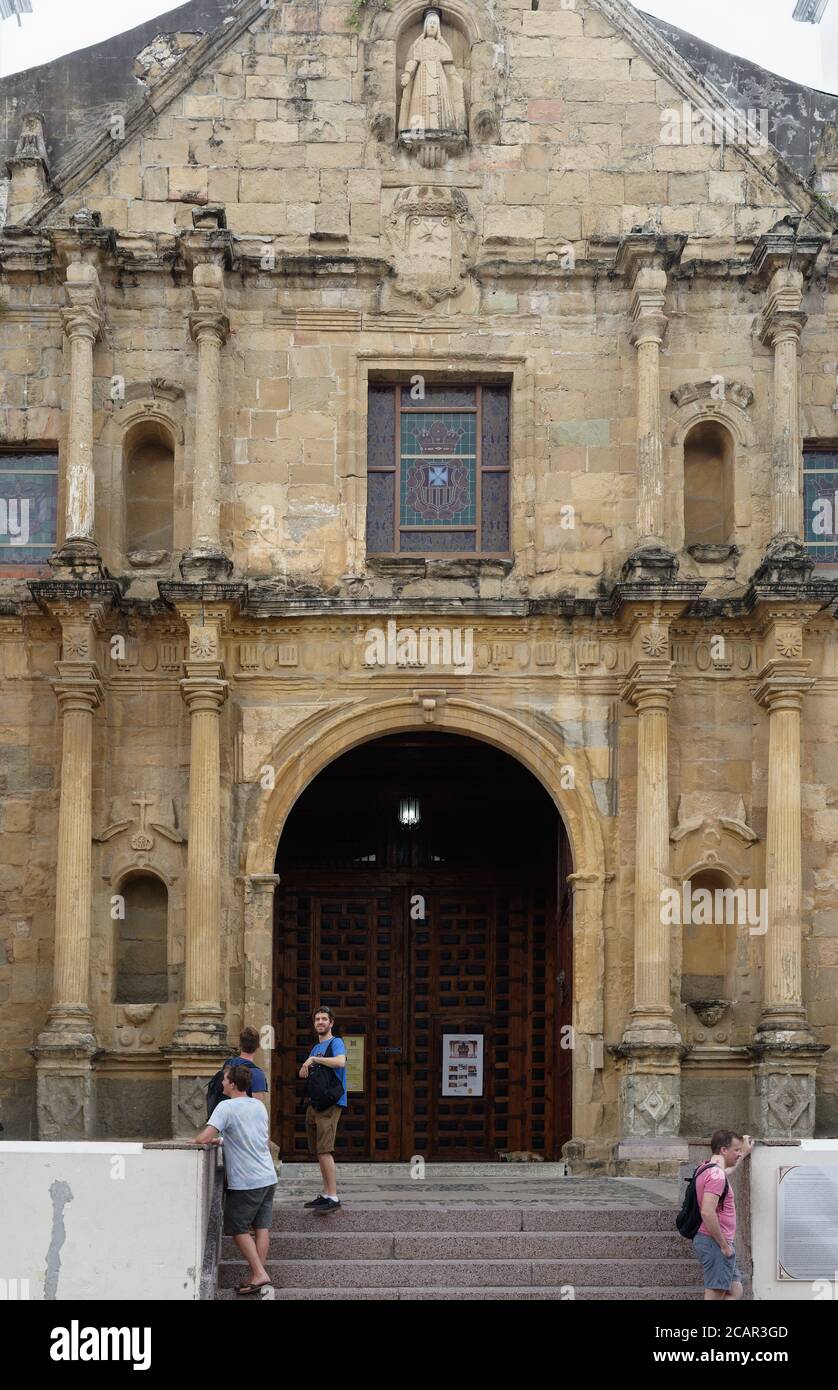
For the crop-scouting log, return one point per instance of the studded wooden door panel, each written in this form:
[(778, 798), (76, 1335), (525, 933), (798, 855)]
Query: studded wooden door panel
[(344, 949), (482, 961)]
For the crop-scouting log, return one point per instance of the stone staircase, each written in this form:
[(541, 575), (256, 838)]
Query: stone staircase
[(507, 1236)]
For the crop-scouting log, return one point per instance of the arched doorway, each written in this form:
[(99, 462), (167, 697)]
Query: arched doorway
[(423, 895)]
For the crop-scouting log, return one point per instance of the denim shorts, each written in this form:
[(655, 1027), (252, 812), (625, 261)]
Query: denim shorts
[(720, 1271)]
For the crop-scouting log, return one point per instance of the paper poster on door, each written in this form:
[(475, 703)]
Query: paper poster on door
[(462, 1064)]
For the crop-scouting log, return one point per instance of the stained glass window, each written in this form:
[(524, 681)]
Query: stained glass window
[(28, 504), (820, 504), (438, 469)]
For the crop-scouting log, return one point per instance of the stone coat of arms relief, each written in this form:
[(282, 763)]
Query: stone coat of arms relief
[(432, 236)]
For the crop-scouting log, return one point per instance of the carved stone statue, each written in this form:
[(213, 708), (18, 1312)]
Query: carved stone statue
[(432, 116)]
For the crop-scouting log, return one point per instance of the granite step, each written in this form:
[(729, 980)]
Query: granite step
[(491, 1217), (325, 1243), (488, 1293), (470, 1273)]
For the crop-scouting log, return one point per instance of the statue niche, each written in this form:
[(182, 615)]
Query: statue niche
[(432, 112)]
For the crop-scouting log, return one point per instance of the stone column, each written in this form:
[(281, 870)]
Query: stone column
[(82, 321), (651, 1048), (648, 331), (784, 1050), (259, 892), (588, 1012), (782, 323), (650, 691), (200, 1040), (644, 259), (210, 327), (65, 1049)]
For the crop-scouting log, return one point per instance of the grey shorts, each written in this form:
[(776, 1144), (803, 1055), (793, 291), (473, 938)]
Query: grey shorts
[(246, 1207), (720, 1271)]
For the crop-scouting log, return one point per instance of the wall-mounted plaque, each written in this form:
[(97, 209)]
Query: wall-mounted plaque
[(354, 1061), (807, 1222), (462, 1064)]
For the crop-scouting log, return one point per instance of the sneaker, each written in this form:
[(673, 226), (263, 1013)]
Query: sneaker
[(328, 1204), (319, 1201)]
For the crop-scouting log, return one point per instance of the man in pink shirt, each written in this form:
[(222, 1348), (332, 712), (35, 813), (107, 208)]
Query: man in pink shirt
[(713, 1243)]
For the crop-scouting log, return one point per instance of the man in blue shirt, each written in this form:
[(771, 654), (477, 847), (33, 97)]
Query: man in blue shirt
[(322, 1125), (248, 1044)]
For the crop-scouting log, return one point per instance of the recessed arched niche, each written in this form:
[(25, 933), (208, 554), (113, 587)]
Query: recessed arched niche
[(148, 471), (452, 104), (708, 489), (708, 951), (142, 942)]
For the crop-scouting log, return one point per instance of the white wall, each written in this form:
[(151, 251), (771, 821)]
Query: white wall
[(765, 1161), (134, 1220)]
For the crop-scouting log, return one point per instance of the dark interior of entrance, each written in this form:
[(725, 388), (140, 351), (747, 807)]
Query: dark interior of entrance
[(423, 896)]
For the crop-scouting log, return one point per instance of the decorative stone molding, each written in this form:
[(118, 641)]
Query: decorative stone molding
[(736, 392), (432, 235), (28, 170)]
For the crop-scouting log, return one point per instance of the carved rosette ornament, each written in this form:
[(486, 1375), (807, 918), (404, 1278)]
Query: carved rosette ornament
[(432, 113), (432, 235)]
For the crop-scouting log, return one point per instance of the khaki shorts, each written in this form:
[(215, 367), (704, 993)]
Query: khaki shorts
[(322, 1128)]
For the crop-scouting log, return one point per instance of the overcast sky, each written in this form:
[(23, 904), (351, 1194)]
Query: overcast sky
[(762, 30)]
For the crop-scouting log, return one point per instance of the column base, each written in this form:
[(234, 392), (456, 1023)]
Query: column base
[(785, 1074), (78, 558), (65, 1092), (656, 1157), (650, 1088), (650, 563), (205, 565), (192, 1068)]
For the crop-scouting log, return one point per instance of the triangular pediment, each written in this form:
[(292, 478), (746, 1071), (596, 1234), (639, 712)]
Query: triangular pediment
[(773, 183)]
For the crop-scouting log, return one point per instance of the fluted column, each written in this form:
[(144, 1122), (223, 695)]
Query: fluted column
[(65, 1048), (82, 320), (650, 691), (648, 331), (78, 696), (645, 259), (781, 326), (650, 1051), (210, 327), (781, 691), (201, 1016), (784, 1050)]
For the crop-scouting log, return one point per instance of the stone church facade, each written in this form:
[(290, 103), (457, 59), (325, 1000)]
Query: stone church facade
[(495, 321)]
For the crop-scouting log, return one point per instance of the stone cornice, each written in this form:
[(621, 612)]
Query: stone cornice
[(648, 250)]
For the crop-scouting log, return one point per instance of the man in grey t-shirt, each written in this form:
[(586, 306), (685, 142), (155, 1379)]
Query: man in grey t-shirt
[(241, 1122)]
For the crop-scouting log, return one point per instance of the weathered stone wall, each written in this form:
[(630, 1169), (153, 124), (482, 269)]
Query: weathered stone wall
[(276, 127)]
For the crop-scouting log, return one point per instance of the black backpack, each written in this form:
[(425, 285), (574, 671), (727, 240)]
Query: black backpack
[(215, 1094), (688, 1219), (324, 1087)]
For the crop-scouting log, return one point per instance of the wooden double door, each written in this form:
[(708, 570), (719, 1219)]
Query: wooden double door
[(402, 968)]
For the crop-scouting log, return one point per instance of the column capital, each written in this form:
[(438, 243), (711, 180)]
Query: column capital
[(782, 318), (204, 692), (649, 685), (78, 686), (82, 317), (209, 325), (82, 321), (783, 683)]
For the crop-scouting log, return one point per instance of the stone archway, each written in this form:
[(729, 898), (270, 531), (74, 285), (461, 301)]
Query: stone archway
[(307, 750)]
